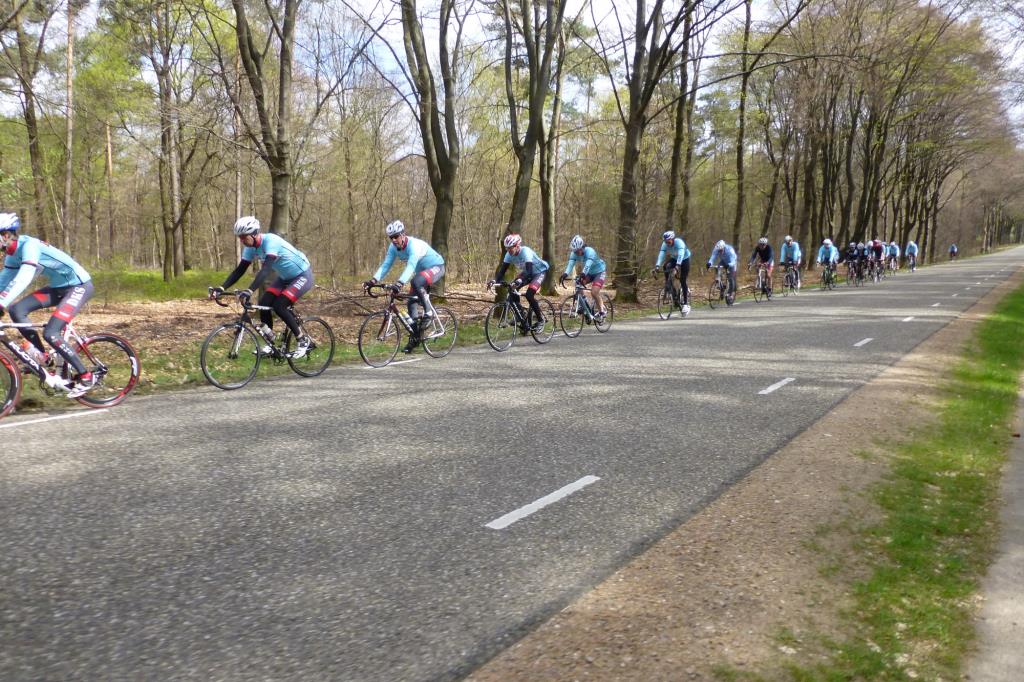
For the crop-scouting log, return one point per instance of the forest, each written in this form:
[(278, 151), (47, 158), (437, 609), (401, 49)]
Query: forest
[(134, 132)]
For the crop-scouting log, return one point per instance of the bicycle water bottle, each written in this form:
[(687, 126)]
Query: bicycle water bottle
[(405, 318), (33, 352), (267, 333)]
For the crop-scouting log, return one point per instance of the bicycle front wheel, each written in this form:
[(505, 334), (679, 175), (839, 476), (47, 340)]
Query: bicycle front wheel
[(609, 315), (665, 305), (321, 351), (571, 317), (230, 356), (542, 331), (379, 339), (500, 327), (715, 294), (439, 336), (758, 290), (10, 384)]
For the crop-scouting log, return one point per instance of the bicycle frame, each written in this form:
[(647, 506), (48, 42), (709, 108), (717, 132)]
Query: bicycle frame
[(23, 356), (245, 320), (580, 300), (393, 312)]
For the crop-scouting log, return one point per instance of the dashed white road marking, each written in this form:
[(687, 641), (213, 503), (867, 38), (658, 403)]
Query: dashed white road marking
[(863, 342), (776, 386), (513, 516), (955, 295), (392, 364), (50, 419), (936, 305), (907, 319)]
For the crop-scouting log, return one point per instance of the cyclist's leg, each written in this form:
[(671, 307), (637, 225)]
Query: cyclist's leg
[(531, 295), (732, 280), (288, 294), (419, 287), (770, 267), (684, 287), (20, 311), (71, 301), (596, 285)]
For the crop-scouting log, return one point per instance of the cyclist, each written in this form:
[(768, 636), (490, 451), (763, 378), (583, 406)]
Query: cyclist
[(674, 256), (424, 266), (592, 272), (911, 252), (766, 254), (828, 254), (293, 279), (953, 251), (894, 255), (876, 254), (849, 256), (532, 271), (862, 259), (69, 288), (724, 255), (790, 256)]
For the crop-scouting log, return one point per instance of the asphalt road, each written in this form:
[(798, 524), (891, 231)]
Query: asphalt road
[(339, 528)]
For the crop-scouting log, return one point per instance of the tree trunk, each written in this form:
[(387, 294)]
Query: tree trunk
[(625, 242), (69, 108), (110, 191), (741, 191), (26, 76)]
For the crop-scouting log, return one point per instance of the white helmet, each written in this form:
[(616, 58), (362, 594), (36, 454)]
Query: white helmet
[(860, 245), (9, 222), (892, 243), (669, 235), (762, 241), (394, 228), (827, 242), (576, 243), (246, 225), (788, 238), (512, 240), (719, 245)]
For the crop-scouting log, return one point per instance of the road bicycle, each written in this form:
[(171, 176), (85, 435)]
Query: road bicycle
[(110, 358), (912, 262), (380, 335), (877, 271), (577, 310), (762, 284), (894, 265), (790, 280), (508, 319), (232, 353), (670, 299), (828, 276), (718, 292)]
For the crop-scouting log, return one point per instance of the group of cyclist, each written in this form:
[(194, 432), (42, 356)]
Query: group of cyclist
[(70, 286)]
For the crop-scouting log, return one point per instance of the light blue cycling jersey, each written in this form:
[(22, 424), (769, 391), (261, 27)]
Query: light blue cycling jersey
[(29, 254), (527, 255), (828, 253), (911, 249), (677, 249), (417, 255), (592, 263), (287, 261), (726, 256), (790, 251), (894, 250)]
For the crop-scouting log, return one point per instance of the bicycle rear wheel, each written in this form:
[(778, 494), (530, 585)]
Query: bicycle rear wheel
[(10, 384), (439, 336), (571, 317), (500, 327), (609, 315), (380, 335), (545, 332), (230, 356), (321, 352)]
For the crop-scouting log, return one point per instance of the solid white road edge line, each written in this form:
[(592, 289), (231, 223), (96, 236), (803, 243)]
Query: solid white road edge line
[(776, 386), (521, 513), (863, 342), (50, 419)]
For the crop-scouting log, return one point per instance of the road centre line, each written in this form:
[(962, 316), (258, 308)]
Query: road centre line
[(936, 305), (955, 295), (50, 419), (863, 342), (907, 319), (776, 386), (521, 513)]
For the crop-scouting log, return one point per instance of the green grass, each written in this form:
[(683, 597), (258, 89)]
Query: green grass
[(912, 616), (148, 285)]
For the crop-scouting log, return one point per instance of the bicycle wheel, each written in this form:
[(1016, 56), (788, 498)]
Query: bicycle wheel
[(230, 356), (609, 315), (570, 317), (544, 332), (439, 336), (500, 327), (665, 305), (114, 363), (10, 384), (715, 294), (380, 335), (758, 290), (318, 359)]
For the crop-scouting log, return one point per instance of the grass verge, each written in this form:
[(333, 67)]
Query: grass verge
[(912, 614)]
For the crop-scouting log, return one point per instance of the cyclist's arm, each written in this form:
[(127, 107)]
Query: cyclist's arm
[(502, 269), (264, 273), (661, 256), (389, 260), (243, 265), (17, 282), (572, 264)]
